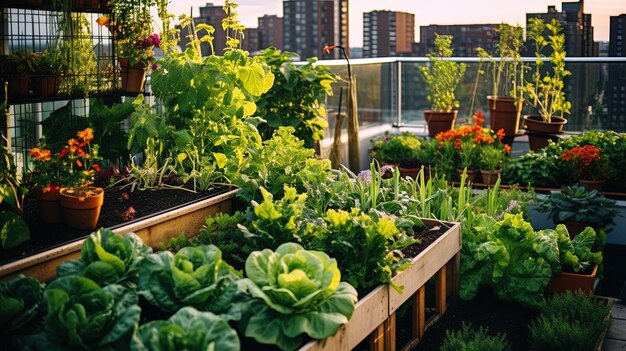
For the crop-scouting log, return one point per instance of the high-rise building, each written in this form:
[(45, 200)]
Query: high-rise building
[(388, 33), (270, 32), (250, 40), (466, 38), (213, 15), (616, 89), (310, 25), (576, 26)]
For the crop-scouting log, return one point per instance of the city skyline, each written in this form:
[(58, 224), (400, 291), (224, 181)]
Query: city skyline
[(440, 12)]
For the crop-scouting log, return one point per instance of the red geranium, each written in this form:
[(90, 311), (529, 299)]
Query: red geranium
[(586, 162)]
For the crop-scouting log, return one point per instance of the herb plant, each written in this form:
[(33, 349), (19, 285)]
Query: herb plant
[(443, 76), (194, 276), (469, 339), (187, 329), (108, 258), (401, 149), (296, 293)]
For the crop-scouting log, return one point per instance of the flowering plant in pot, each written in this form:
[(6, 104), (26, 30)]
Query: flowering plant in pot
[(442, 77), (80, 200), (491, 157), (546, 92), (399, 149), (588, 165), (45, 179)]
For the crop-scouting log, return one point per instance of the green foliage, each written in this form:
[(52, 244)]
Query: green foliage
[(13, 228), (577, 204), (188, 329), (108, 258), (571, 321), (367, 247), (194, 276), (20, 303), (547, 94), (402, 149), (467, 339), (295, 293), (534, 169), (278, 163), (80, 58), (297, 97), (443, 76), (579, 253), (491, 157), (222, 231), (83, 316), (509, 255)]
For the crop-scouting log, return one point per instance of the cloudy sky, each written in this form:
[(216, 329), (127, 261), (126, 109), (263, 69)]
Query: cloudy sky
[(428, 12)]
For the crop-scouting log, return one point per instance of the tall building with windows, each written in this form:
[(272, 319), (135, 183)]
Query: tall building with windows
[(616, 90), (388, 33), (270, 32), (466, 38), (309, 25)]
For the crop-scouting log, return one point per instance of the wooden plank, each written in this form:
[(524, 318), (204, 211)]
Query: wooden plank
[(390, 333), (419, 313), (426, 264), (614, 345), (440, 290), (454, 267), (617, 330), (369, 314), (618, 311), (377, 339), (153, 231)]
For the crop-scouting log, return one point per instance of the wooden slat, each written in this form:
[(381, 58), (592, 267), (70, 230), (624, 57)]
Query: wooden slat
[(377, 339), (419, 313), (440, 290), (390, 333)]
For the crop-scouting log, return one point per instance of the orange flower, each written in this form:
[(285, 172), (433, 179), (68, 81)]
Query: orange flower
[(40, 154), (500, 134), (507, 148), (478, 118), (103, 21), (79, 163), (86, 135)]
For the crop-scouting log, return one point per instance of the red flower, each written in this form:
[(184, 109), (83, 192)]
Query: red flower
[(96, 167)]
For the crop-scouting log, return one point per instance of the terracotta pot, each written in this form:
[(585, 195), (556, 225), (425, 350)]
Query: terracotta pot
[(49, 205), (539, 132), (17, 87), (439, 121), (504, 114), (490, 177), (46, 85), (409, 172), (567, 281), (82, 212), (133, 77), (592, 184), (471, 174)]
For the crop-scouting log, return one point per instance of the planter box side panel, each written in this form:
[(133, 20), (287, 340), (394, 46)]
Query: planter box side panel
[(370, 312), (426, 265)]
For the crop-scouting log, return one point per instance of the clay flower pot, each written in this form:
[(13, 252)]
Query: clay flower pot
[(439, 121), (539, 132), (490, 177), (504, 114), (82, 210), (49, 205), (571, 281), (133, 76), (592, 184), (471, 174)]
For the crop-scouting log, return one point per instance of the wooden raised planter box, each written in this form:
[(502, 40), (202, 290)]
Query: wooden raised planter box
[(153, 230), (375, 316)]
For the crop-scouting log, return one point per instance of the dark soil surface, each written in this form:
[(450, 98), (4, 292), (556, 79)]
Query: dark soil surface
[(484, 310), (145, 204)]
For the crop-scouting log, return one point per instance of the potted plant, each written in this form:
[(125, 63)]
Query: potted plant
[(442, 77), (80, 200), (401, 150), (45, 180), (15, 69), (505, 102), (131, 26), (546, 92), (588, 166), (578, 208), (490, 163), (48, 68), (428, 156)]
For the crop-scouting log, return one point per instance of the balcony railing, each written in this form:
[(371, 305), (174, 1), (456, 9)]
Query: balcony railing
[(392, 91)]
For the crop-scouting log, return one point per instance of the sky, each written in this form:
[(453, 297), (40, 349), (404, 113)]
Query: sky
[(427, 12)]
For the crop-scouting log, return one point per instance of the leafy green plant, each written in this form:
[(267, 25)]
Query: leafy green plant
[(547, 94), (581, 252), (400, 149), (510, 256), (509, 62), (20, 303), (491, 157), (83, 316), (296, 293), (467, 339), (108, 258), (577, 204), (13, 228), (570, 321), (187, 329), (533, 169), (297, 97), (222, 231), (194, 276), (442, 76)]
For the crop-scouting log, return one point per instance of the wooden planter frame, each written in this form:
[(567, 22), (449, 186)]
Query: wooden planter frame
[(187, 220), (375, 314)]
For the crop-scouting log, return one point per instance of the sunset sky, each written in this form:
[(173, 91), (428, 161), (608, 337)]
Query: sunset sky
[(428, 12)]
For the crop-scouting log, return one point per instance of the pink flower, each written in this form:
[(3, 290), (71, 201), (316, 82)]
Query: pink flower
[(155, 66)]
